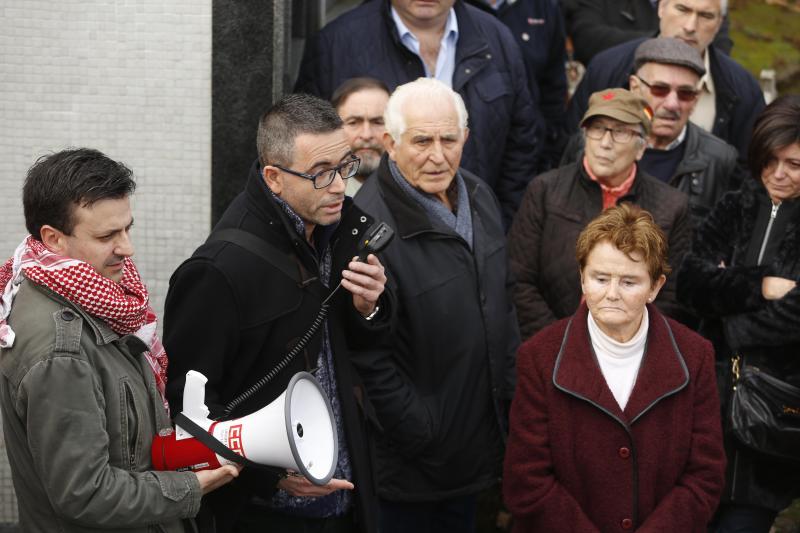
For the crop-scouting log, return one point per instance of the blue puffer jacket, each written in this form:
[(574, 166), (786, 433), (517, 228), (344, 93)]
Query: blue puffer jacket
[(490, 75), (738, 96)]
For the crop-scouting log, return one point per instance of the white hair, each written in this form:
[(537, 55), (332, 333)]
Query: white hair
[(421, 89), (723, 6)]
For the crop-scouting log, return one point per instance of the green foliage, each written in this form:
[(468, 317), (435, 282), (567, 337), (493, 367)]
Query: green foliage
[(766, 36)]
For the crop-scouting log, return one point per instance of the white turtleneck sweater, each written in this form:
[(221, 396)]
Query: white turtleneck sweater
[(619, 361)]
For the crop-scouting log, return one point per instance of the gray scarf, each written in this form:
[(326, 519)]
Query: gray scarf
[(461, 222)]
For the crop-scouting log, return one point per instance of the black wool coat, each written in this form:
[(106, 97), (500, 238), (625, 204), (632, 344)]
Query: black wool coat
[(441, 383), (232, 316), (739, 320)]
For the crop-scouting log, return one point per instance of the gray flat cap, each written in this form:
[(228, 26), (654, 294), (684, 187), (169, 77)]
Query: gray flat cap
[(669, 51)]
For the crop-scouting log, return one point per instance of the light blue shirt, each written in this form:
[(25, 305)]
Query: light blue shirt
[(446, 60)]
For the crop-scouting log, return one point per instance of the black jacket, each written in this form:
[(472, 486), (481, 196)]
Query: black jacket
[(441, 382), (538, 28), (738, 97), (490, 76), (232, 316), (707, 171), (739, 320), (555, 209), (595, 25)]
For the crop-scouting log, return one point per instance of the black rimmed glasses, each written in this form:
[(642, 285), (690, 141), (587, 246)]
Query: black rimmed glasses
[(662, 90), (619, 134), (323, 178)]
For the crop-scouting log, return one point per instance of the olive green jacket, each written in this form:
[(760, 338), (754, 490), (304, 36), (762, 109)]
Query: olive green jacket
[(80, 408)]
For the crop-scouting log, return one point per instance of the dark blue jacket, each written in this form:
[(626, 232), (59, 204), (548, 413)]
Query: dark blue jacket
[(490, 75), (538, 27), (739, 98)]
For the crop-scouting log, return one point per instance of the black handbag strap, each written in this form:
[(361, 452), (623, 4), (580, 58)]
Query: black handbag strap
[(217, 447), (265, 250)]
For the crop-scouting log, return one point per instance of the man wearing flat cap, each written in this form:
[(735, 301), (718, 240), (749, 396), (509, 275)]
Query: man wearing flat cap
[(558, 204), (730, 98), (679, 153)]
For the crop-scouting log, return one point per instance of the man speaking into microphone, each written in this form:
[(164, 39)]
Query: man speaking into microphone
[(235, 309)]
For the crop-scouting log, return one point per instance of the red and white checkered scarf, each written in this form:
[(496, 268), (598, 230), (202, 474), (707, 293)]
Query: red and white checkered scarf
[(123, 306)]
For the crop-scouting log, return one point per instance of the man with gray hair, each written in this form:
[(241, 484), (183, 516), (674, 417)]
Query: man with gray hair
[(729, 99), (678, 151), (440, 384)]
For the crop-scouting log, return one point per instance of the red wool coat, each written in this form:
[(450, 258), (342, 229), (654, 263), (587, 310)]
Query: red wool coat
[(575, 462)]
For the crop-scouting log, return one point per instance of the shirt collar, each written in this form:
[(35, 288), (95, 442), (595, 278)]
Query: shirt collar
[(674, 144), (450, 34)]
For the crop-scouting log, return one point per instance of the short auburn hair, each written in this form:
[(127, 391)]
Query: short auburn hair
[(630, 229)]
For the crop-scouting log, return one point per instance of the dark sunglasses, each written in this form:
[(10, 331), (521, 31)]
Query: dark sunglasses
[(661, 90)]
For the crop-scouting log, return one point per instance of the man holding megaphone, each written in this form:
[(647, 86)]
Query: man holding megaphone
[(252, 292), (82, 369)]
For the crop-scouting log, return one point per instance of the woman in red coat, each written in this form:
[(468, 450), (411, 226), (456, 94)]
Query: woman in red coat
[(615, 424)]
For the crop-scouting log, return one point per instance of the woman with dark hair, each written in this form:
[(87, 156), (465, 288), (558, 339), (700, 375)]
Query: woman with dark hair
[(741, 278), (615, 422)]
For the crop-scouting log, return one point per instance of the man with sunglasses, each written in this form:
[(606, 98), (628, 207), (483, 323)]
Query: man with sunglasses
[(558, 204), (246, 296), (729, 99), (678, 151)]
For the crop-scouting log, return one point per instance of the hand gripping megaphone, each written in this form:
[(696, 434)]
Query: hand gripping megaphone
[(296, 431)]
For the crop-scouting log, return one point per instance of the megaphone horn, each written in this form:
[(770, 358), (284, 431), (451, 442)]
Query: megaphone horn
[(296, 431)]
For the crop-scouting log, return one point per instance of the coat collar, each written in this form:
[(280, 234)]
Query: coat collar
[(663, 371), (721, 75), (631, 196), (692, 156), (103, 334)]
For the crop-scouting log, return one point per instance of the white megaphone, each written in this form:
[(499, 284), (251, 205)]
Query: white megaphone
[(296, 431)]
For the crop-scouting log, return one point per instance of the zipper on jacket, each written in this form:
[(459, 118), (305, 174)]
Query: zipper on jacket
[(132, 425), (772, 216), (734, 476)]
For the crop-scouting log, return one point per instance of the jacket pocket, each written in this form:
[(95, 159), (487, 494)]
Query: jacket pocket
[(130, 424), (493, 86), (173, 487)]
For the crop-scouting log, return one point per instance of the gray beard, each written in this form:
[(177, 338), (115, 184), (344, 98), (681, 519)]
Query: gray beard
[(366, 168)]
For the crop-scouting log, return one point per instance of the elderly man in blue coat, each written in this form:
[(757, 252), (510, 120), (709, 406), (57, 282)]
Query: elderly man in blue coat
[(398, 41)]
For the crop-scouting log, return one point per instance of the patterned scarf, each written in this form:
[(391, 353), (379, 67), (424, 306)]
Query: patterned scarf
[(123, 306)]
